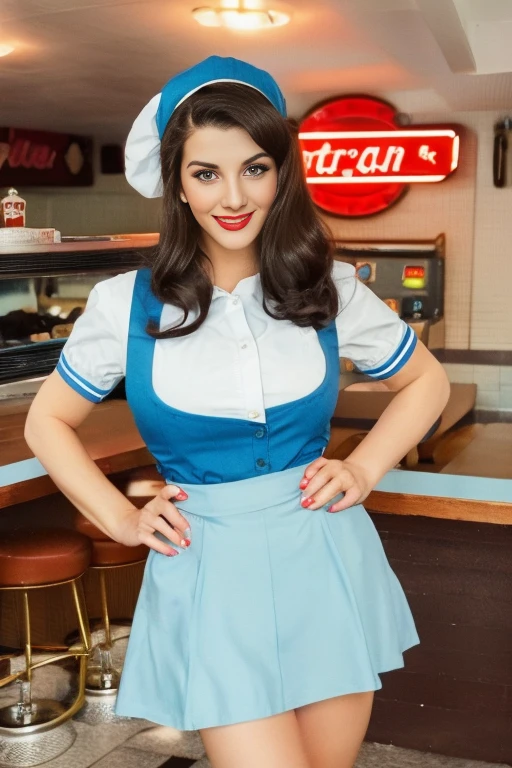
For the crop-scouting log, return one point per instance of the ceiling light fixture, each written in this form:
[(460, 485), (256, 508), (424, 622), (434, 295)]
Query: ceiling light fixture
[(5, 50), (239, 18)]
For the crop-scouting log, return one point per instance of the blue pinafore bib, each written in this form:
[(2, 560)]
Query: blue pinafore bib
[(198, 449)]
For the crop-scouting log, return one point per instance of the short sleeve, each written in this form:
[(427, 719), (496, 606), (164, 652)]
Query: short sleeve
[(370, 333), (93, 359)]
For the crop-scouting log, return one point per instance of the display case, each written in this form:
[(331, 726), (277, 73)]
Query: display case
[(44, 289)]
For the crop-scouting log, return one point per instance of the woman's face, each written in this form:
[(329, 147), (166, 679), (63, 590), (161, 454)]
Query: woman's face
[(229, 182)]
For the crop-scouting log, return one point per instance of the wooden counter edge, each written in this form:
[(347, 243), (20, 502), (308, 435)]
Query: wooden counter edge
[(469, 510), (28, 490), (384, 502)]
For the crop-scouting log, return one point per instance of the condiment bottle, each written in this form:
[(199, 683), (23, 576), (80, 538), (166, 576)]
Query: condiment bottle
[(12, 210)]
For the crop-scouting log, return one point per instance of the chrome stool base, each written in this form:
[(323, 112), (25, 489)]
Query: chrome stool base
[(100, 683), (102, 675), (41, 711), (25, 750), (99, 708)]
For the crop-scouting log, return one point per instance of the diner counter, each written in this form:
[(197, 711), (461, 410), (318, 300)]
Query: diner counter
[(81, 244), (112, 439), (109, 435)]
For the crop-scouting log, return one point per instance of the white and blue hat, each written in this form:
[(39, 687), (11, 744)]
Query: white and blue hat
[(142, 151)]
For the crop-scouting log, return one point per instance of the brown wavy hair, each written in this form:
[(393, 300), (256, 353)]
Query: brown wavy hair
[(295, 255)]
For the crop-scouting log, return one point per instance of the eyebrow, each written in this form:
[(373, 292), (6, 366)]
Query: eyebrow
[(216, 167)]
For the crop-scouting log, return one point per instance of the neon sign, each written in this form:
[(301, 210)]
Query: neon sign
[(364, 169)]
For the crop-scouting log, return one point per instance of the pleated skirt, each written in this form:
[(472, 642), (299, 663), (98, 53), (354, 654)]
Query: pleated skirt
[(272, 606)]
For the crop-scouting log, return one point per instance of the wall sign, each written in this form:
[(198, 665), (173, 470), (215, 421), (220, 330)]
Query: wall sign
[(44, 158), (359, 162)]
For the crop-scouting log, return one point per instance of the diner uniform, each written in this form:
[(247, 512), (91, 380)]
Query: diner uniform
[(272, 606)]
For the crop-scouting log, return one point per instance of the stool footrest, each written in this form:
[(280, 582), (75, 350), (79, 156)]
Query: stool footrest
[(71, 654)]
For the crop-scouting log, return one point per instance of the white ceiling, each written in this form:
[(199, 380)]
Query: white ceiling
[(90, 66)]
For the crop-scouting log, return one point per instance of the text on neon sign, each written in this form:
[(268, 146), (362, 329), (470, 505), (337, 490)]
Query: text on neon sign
[(345, 157)]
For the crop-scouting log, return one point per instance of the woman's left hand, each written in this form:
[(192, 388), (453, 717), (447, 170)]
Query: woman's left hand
[(326, 478)]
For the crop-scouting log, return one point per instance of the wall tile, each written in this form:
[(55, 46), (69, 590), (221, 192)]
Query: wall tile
[(506, 375), (459, 373), (487, 400), (506, 398), (487, 377)]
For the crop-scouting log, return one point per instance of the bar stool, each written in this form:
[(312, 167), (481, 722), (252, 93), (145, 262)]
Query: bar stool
[(107, 554), (34, 559)]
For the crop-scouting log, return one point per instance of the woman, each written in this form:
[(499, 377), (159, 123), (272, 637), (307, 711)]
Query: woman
[(265, 616)]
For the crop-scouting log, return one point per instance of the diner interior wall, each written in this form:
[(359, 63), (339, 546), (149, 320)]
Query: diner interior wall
[(475, 216), (111, 206), (477, 220)]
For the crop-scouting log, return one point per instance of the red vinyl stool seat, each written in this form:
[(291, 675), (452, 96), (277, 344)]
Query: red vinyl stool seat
[(107, 553), (34, 559)]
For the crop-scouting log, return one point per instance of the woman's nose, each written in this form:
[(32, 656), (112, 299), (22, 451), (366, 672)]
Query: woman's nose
[(234, 195)]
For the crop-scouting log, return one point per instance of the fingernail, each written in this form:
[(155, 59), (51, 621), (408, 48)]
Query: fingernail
[(185, 543), (303, 483), (181, 496), (172, 554), (306, 502), (330, 509)]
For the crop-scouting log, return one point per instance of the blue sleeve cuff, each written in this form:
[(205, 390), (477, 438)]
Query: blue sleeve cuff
[(79, 384), (398, 359)]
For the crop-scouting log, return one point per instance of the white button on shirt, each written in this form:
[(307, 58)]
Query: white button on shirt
[(240, 361)]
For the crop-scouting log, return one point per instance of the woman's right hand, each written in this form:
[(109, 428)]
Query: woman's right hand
[(139, 526)]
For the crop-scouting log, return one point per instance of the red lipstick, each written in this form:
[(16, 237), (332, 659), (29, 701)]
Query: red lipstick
[(234, 222)]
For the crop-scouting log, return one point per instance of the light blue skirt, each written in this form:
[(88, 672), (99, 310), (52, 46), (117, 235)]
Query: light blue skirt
[(272, 606)]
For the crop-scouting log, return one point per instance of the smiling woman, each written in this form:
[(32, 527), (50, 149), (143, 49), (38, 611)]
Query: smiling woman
[(274, 616), (208, 155)]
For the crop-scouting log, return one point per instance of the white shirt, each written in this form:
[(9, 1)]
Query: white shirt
[(240, 361)]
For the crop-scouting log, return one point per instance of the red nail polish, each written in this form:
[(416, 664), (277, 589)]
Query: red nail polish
[(303, 483), (181, 496), (330, 509), (307, 502)]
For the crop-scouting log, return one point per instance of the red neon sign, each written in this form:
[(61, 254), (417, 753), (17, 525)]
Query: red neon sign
[(358, 162)]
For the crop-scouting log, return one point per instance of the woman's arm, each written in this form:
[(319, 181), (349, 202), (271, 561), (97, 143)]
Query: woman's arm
[(423, 390), (55, 413)]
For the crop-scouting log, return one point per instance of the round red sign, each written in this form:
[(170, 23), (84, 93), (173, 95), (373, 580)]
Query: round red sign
[(359, 161)]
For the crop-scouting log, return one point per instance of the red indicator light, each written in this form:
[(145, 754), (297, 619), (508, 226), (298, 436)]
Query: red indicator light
[(414, 272)]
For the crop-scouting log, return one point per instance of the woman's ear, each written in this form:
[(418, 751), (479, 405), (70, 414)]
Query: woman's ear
[(183, 198)]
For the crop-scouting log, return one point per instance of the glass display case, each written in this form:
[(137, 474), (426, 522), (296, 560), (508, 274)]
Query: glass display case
[(44, 289)]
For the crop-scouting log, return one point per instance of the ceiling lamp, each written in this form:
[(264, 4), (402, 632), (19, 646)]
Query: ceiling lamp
[(239, 18), (5, 50)]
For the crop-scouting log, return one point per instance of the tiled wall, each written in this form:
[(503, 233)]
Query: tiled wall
[(494, 384)]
